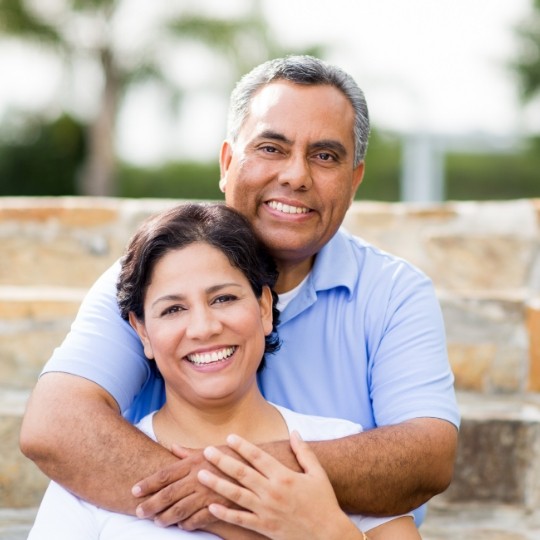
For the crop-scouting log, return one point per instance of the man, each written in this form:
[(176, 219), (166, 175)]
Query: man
[(363, 337)]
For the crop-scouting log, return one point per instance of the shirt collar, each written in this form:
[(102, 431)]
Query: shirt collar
[(334, 264)]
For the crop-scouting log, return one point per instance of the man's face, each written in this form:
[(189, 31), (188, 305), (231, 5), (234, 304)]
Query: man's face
[(291, 170)]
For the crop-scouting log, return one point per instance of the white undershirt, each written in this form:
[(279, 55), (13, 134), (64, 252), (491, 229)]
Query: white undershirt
[(286, 297)]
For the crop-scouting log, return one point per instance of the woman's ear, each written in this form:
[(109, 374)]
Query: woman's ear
[(266, 304), (140, 328)]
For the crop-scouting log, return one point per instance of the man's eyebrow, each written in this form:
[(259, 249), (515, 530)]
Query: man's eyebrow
[(274, 135), (329, 144)]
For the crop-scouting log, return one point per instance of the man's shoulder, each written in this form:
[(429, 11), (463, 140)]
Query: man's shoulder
[(359, 260)]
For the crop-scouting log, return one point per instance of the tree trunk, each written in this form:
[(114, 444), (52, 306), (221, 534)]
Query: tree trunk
[(98, 172)]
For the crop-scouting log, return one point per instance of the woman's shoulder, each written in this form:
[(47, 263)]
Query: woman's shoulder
[(317, 428)]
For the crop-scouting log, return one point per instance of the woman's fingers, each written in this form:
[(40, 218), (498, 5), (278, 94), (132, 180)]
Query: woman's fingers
[(241, 496), (257, 458), (305, 456)]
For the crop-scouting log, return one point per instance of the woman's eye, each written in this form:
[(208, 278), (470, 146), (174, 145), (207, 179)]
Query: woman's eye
[(172, 309), (223, 298)]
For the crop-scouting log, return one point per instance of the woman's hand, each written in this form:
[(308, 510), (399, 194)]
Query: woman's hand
[(279, 503)]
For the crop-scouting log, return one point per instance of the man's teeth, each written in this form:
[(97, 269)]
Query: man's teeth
[(209, 357), (287, 208)]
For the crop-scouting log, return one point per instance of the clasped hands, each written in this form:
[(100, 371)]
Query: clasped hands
[(241, 485)]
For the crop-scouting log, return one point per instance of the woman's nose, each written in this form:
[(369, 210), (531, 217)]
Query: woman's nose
[(202, 324)]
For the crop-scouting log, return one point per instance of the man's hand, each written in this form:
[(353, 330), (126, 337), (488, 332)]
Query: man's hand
[(175, 494)]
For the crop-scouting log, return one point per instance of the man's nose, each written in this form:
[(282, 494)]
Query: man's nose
[(203, 323), (296, 173)]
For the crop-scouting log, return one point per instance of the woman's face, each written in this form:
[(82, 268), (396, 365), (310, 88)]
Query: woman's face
[(204, 326)]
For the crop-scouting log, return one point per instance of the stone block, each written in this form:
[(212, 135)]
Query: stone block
[(33, 321), (22, 484), (487, 340), (533, 327), (499, 450)]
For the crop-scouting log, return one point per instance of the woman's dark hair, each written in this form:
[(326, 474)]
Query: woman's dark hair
[(214, 224)]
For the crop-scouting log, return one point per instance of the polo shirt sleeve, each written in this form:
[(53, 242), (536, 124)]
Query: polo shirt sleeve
[(101, 346), (409, 368)]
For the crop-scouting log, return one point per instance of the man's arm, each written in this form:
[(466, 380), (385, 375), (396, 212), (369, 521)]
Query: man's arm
[(392, 469), (385, 471), (73, 431)]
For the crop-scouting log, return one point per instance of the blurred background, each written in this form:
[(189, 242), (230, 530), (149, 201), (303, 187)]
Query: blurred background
[(128, 98)]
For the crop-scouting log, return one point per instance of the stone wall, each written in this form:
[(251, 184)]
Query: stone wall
[(483, 257)]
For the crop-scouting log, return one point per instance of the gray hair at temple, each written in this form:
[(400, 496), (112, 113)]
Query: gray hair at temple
[(306, 70)]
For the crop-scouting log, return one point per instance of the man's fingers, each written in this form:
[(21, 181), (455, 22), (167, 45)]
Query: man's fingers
[(179, 513), (157, 481), (180, 451), (163, 500), (199, 520)]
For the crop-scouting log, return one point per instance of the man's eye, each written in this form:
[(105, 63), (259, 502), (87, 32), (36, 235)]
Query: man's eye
[(325, 156), (269, 149)]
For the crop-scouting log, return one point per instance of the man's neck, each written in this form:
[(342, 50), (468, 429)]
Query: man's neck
[(291, 274)]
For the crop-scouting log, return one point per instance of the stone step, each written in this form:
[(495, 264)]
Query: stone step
[(22, 484), (499, 451), (443, 522), (15, 523), (479, 521), (33, 321), (498, 456)]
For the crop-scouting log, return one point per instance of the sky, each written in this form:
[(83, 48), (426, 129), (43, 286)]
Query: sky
[(437, 67)]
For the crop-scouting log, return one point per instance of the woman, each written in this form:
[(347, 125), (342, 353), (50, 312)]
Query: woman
[(196, 285)]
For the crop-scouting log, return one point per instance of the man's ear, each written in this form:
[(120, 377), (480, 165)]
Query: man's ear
[(140, 328), (225, 157), (358, 176)]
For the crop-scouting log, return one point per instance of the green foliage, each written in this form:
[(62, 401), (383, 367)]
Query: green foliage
[(187, 180), (382, 173), (527, 65), (493, 176), (44, 160), (17, 20)]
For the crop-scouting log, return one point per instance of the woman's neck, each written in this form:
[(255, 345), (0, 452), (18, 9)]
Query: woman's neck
[(200, 425)]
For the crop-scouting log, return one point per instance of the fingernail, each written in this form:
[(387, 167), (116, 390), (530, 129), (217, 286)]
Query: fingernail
[(136, 491), (232, 438), (139, 512), (209, 452), (203, 475)]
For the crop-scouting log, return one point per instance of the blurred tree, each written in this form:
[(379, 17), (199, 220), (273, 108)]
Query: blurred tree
[(90, 31), (527, 65), (43, 158)]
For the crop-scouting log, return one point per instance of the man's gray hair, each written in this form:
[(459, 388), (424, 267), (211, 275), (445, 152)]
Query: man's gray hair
[(306, 70)]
